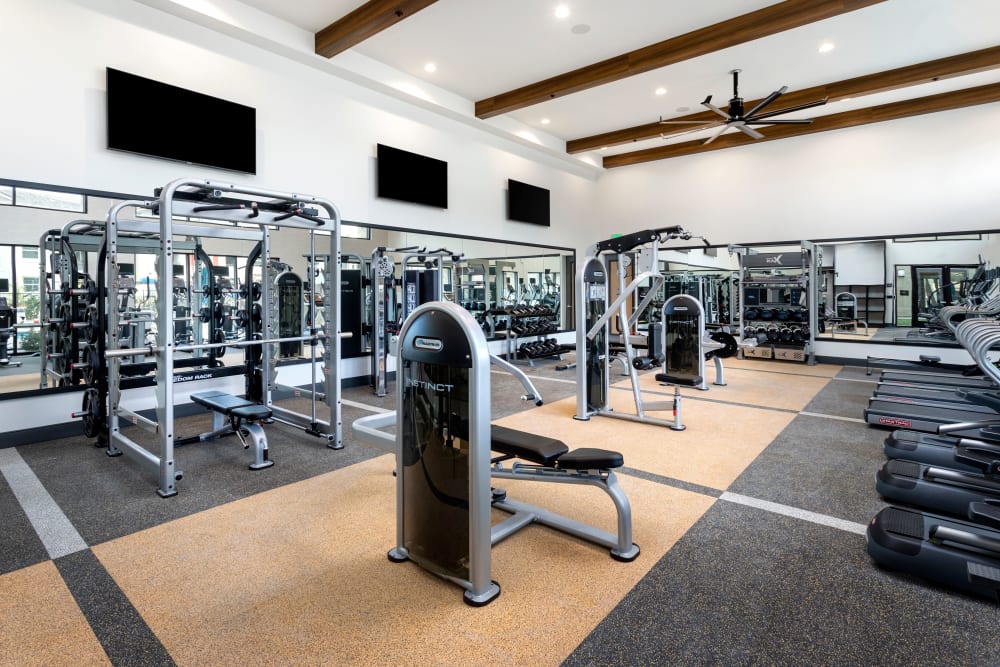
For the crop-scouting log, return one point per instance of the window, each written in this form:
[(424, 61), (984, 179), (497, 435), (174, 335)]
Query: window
[(355, 232), (29, 252), (6, 195), (59, 201)]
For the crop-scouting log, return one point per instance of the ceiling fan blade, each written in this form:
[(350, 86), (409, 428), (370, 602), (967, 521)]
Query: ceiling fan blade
[(708, 105), (670, 134), (715, 136), (767, 100), (798, 107), (785, 121), (750, 132)]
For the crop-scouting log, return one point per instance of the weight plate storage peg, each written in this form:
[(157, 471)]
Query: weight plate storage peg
[(92, 422)]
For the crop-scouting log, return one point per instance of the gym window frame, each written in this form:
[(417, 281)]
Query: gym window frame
[(6, 195), (49, 200)]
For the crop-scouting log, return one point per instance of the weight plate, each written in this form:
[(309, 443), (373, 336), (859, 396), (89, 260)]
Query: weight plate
[(93, 423)]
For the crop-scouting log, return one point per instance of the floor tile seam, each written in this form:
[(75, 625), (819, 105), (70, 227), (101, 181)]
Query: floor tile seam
[(364, 406), (57, 533), (538, 377), (821, 415), (855, 380), (674, 482), (775, 372), (795, 512), (706, 399)]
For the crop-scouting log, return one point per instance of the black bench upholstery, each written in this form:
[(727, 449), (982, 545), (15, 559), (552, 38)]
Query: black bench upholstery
[(551, 452), (235, 406), (679, 380)]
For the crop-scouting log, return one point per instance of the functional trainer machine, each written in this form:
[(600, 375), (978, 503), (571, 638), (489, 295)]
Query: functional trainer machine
[(593, 327), (443, 446)]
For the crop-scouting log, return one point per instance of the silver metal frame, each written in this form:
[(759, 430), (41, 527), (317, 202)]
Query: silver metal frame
[(169, 205), (480, 588)]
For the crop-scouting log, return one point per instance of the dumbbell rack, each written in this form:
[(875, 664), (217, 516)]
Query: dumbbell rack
[(775, 304), (529, 326)]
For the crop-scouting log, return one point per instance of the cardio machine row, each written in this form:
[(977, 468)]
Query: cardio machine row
[(943, 469)]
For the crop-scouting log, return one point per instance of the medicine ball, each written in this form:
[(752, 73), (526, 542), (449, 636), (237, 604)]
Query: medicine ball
[(751, 314)]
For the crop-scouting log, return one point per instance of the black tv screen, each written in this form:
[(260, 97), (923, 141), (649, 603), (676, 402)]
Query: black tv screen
[(411, 177), (160, 120), (527, 203)]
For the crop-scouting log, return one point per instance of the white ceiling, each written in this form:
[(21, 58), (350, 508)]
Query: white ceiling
[(486, 47)]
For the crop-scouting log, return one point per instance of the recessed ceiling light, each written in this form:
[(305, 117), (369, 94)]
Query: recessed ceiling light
[(430, 67), (546, 121), (826, 47), (661, 91), (562, 11)]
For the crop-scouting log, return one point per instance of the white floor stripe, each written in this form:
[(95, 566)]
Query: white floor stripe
[(795, 512), (843, 419), (53, 527), (539, 377), (363, 406)]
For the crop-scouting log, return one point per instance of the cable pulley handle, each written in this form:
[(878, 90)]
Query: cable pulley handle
[(218, 207)]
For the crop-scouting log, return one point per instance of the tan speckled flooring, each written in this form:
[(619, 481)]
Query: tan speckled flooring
[(299, 574), (41, 622)]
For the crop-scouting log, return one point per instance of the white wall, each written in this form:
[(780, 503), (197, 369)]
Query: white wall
[(316, 133), (928, 174)]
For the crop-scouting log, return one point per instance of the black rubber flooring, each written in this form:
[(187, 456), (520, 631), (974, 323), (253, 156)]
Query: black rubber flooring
[(19, 543), (748, 587)]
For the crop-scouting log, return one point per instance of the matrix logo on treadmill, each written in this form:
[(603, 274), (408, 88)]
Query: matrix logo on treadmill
[(773, 260), (895, 421), (423, 384)]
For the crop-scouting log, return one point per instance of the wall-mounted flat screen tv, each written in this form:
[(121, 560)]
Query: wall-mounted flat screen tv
[(411, 177), (161, 120), (527, 203)]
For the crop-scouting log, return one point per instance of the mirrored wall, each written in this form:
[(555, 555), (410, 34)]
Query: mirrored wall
[(496, 281)]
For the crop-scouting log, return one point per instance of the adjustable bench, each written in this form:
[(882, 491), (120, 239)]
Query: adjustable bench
[(550, 460), (233, 414)]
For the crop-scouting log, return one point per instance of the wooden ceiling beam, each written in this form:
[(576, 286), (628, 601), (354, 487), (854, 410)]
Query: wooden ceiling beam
[(922, 105), (902, 77), (369, 19), (770, 20)]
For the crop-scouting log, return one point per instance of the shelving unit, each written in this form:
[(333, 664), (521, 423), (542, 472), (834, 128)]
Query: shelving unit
[(774, 306), (871, 302)]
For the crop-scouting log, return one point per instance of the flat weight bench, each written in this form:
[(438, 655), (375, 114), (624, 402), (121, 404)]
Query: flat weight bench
[(233, 414), (552, 461)]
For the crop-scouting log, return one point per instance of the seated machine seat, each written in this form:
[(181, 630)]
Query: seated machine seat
[(551, 452)]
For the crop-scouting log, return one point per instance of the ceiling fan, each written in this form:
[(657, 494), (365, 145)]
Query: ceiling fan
[(736, 117)]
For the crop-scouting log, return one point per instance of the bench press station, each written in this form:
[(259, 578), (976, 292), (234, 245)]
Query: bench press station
[(444, 447), (233, 414)]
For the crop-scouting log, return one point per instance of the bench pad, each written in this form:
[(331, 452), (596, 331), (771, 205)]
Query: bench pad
[(528, 446), (678, 380), (252, 413), (220, 401), (589, 458)]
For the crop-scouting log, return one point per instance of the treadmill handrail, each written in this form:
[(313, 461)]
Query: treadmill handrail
[(944, 533)]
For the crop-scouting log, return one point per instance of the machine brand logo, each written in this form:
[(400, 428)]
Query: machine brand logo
[(680, 307), (432, 344), (774, 260), (895, 421), (433, 386)]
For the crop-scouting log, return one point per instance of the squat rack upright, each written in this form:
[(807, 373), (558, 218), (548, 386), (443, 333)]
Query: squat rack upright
[(222, 211)]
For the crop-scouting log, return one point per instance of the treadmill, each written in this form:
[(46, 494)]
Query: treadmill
[(978, 336), (954, 552), (941, 449), (963, 553)]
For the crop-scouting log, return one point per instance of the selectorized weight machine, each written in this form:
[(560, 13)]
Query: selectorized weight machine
[(443, 444)]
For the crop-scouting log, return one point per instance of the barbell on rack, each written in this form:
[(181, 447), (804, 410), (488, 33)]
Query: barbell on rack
[(156, 349)]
